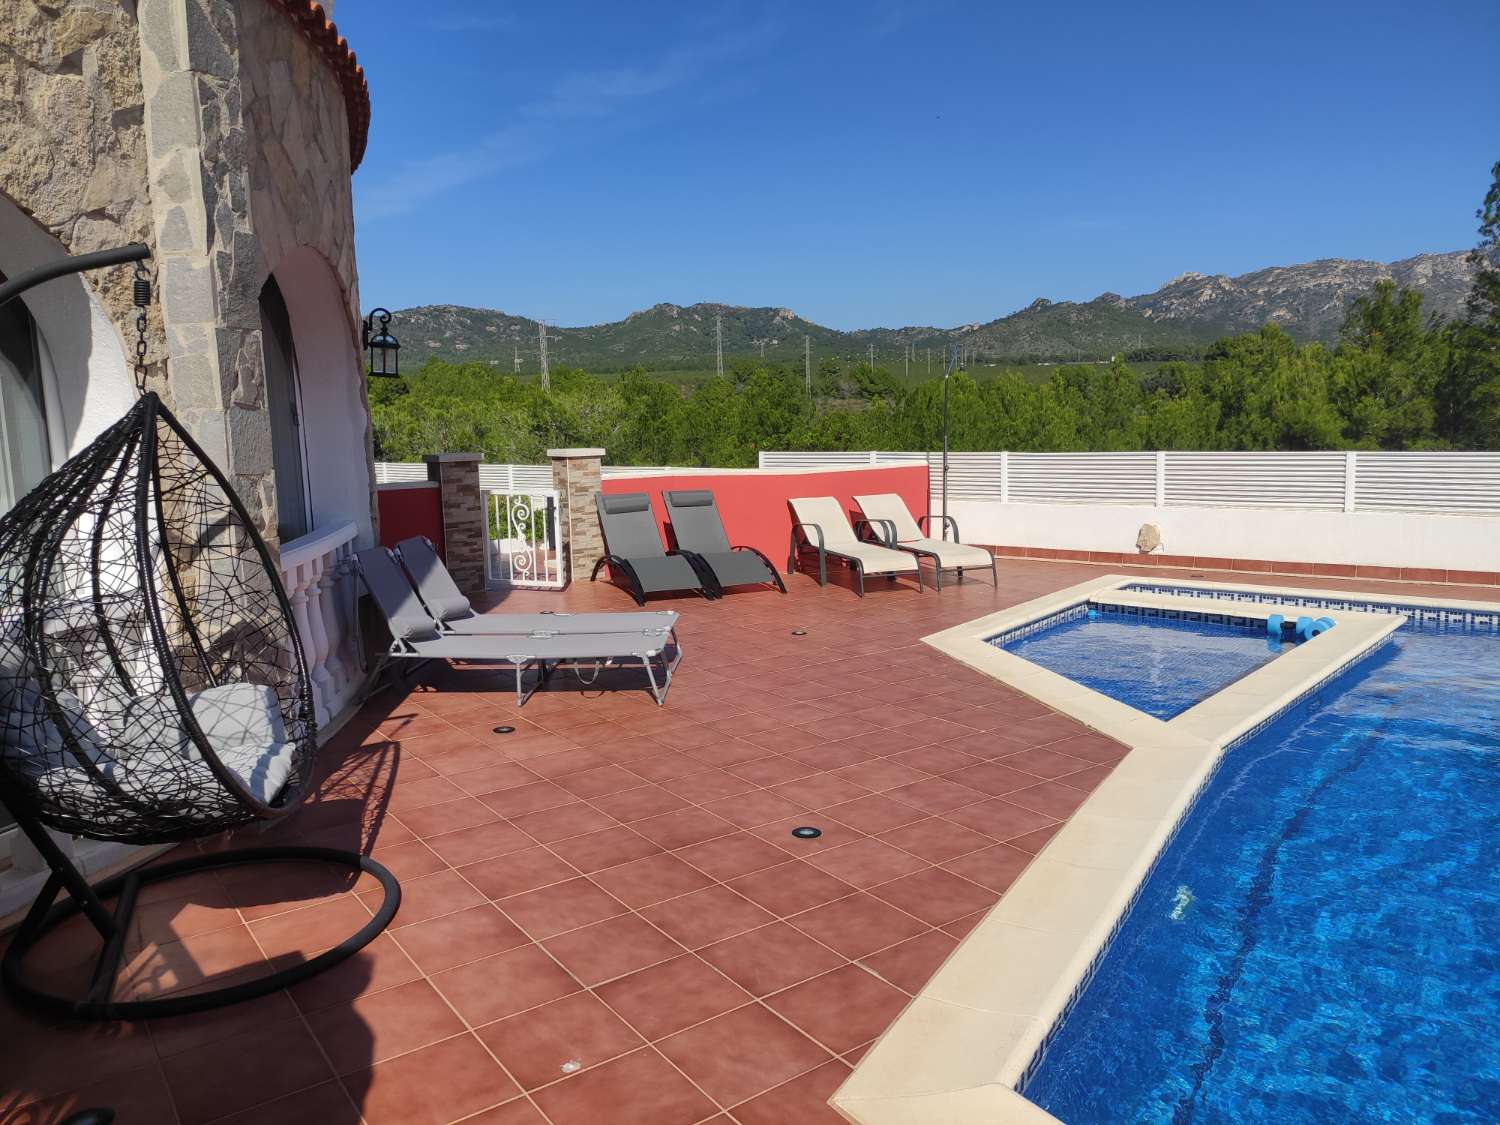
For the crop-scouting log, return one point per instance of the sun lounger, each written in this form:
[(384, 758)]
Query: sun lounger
[(635, 553), (823, 525), (447, 606), (415, 636), (699, 529), (890, 521)]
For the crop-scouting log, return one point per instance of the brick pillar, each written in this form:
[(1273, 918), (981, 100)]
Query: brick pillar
[(575, 475), (464, 532)]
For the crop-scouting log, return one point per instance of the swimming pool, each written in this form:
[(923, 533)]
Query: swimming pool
[(1319, 941), (1157, 664)]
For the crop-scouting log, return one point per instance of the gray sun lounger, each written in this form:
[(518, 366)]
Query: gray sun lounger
[(635, 553), (699, 528), (415, 636), (443, 601)]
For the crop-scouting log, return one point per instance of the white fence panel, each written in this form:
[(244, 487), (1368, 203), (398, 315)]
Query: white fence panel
[(1428, 482), (1256, 480), (1082, 478), (399, 472), (817, 459), (971, 476)]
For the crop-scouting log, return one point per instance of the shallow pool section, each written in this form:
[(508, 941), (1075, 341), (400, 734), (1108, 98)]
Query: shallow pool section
[(1157, 663), (1318, 942)]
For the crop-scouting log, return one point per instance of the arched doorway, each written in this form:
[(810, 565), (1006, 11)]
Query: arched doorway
[(283, 404)]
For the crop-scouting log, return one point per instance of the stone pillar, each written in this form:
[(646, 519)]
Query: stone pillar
[(465, 536), (575, 475)]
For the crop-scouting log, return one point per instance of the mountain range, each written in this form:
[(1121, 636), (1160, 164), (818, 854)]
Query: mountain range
[(1307, 300)]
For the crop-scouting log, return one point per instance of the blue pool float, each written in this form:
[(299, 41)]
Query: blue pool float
[(1304, 628), (1274, 624)]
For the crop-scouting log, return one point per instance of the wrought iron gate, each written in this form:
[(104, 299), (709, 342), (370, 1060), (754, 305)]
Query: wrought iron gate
[(524, 547)]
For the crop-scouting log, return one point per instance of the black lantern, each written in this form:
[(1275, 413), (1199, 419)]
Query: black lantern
[(381, 348)]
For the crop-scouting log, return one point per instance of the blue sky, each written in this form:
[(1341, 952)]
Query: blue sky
[(896, 162)]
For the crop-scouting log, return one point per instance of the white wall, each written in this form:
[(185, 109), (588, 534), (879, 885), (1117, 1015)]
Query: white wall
[(1406, 539), (91, 383)]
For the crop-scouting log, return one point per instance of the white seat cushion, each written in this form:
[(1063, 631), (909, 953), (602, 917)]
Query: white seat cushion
[(952, 554)]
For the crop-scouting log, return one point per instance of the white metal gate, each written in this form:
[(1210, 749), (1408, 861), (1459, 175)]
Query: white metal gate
[(524, 548)]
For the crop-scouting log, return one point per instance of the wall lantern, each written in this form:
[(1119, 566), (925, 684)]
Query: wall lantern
[(381, 348)]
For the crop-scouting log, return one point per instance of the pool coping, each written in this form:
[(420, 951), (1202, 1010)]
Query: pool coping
[(970, 1039)]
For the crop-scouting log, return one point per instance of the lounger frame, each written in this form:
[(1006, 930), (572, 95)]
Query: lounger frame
[(925, 523), (824, 551)]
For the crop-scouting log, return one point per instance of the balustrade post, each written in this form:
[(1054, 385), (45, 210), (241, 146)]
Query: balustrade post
[(333, 661)]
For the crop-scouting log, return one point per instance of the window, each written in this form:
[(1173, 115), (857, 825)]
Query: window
[(25, 448), (285, 413)]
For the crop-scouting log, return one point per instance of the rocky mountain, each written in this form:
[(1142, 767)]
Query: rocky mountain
[(1308, 300)]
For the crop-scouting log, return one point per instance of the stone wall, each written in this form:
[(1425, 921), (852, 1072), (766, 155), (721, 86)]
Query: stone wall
[(72, 140), (575, 475), (465, 533)]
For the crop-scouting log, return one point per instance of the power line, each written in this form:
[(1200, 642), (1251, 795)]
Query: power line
[(542, 338), (719, 344)]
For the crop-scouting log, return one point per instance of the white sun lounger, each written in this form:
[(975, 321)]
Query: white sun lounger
[(891, 522), (822, 523), (416, 636)]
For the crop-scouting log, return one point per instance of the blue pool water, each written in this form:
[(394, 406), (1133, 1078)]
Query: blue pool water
[(1321, 941), (1157, 665)]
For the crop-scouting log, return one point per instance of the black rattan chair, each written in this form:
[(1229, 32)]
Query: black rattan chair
[(152, 689)]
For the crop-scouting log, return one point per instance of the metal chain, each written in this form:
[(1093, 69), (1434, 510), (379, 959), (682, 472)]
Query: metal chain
[(142, 297)]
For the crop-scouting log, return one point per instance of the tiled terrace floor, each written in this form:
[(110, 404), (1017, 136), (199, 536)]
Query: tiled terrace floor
[(606, 918)]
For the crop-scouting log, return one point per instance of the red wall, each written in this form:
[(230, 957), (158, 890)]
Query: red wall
[(406, 511), (754, 504)]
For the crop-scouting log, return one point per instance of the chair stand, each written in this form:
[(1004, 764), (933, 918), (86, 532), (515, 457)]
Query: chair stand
[(114, 926)]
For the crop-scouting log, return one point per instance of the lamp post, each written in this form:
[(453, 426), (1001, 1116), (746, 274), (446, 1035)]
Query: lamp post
[(382, 350), (947, 371)]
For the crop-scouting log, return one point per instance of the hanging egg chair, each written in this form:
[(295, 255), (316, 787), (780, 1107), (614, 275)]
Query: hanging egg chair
[(153, 689)]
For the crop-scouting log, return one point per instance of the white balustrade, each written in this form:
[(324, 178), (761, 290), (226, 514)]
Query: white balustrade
[(317, 570)]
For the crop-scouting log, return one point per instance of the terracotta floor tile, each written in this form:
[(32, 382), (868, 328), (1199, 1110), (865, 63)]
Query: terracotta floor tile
[(875, 813), (328, 1104), (611, 847), (840, 1009), (729, 856), (727, 753), (783, 740), (881, 775), (835, 833), (628, 749), (706, 916), (433, 1086), (936, 795), (743, 1053), (909, 964), (531, 798), (455, 939), (936, 839), (558, 1039), (935, 759), (803, 1100), (960, 929), (675, 994), (1050, 797), (1087, 779), (560, 907), (137, 1095), (500, 986), (789, 888), (684, 827), (511, 874), (664, 767), (374, 1028), (820, 790), (432, 820), (646, 800), (858, 925), (640, 1088), (600, 782), (1034, 842), (645, 882), (243, 1071), (750, 810), (493, 777), (935, 896), (835, 755), (770, 958), (1000, 819), (483, 841), (710, 785), (1044, 762), (381, 964), (563, 823), (566, 764), (1091, 747), (867, 862), (431, 896), (518, 1111), (992, 778), (771, 771), (995, 867), (309, 931), (612, 948)]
